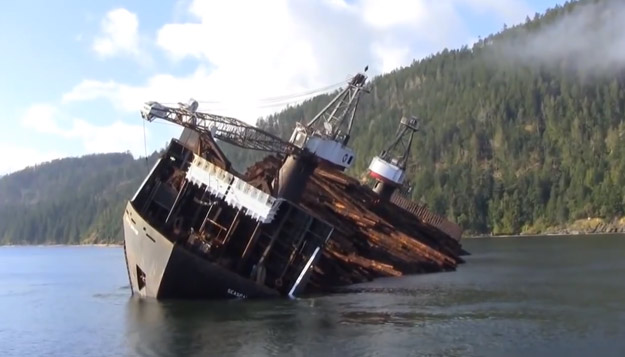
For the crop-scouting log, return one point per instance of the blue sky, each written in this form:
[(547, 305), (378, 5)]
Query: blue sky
[(74, 76)]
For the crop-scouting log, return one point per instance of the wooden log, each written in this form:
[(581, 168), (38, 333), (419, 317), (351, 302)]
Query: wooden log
[(372, 238)]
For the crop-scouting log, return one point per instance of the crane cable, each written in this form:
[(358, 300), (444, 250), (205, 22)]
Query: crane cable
[(302, 94), (276, 101), (145, 144)]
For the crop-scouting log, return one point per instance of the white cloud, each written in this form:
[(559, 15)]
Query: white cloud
[(390, 13), (598, 47), (90, 90), (28, 156), (163, 87), (226, 99), (509, 11), (392, 57), (248, 50), (114, 137), (119, 34), (41, 118), (47, 119)]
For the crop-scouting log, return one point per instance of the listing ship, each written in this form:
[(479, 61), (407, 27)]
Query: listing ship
[(292, 224)]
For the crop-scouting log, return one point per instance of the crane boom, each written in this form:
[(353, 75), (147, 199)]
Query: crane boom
[(327, 134), (227, 129), (337, 117), (399, 149)]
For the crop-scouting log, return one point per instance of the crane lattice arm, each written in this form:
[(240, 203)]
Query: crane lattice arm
[(389, 168), (399, 149), (337, 117), (227, 129)]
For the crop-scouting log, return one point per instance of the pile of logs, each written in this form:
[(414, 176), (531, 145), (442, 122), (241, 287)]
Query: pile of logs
[(372, 237), (426, 216)]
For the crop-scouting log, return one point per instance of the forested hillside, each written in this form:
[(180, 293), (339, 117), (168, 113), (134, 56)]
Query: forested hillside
[(520, 132), (74, 200)]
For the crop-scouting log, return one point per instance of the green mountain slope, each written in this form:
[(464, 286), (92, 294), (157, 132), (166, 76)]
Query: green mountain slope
[(74, 200)]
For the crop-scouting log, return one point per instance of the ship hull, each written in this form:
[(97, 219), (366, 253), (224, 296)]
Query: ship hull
[(159, 268)]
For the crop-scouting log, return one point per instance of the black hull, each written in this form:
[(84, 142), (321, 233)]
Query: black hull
[(191, 277), (160, 269)]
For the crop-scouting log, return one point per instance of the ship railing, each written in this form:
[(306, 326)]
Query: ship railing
[(237, 193)]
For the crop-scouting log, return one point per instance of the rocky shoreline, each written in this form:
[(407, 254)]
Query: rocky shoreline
[(587, 226)]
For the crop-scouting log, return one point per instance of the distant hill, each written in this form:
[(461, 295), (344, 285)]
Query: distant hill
[(73, 200), (523, 131)]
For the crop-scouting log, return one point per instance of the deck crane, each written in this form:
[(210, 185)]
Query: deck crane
[(328, 133), (201, 130), (211, 126), (309, 145), (389, 168)]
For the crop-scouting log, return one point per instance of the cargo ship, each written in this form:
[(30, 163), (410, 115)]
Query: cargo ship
[(293, 223)]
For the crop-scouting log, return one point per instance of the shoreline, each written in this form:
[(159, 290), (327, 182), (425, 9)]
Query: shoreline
[(521, 235), (588, 227), (481, 236)]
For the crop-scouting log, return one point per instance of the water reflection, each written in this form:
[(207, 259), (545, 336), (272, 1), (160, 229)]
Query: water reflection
[(518, 299), (214, 328)]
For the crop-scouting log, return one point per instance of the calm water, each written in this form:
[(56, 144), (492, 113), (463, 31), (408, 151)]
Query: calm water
[(515, 297)]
